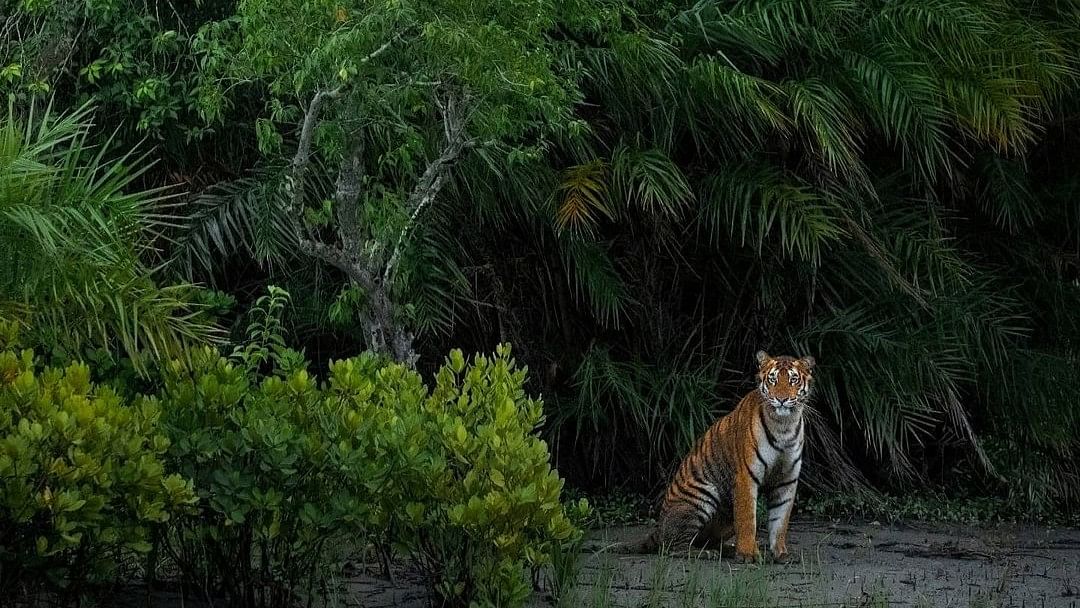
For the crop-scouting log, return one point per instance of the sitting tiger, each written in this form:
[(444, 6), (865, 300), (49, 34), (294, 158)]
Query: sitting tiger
[(755, 448)]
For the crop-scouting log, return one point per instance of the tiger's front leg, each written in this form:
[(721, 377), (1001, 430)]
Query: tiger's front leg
[(746, 493), (781, 499), (781, 503)]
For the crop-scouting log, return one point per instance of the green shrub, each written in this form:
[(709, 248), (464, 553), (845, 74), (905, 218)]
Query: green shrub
[(496, 510), (291, 473), (287, 472), (81, 477)]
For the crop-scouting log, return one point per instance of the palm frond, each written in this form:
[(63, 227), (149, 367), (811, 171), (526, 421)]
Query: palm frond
[(758, 204), (708, 25), (584, 197), (1004, 194), (649, 180), (904, 103), (733, 95), (763, 31), (76, 237), (594, 278), (959, 23), (245, 215), (991, 108), (651, 412), (833, 125), (905, 239), (637, 76), (431, 279)]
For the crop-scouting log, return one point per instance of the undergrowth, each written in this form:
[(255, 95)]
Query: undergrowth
[(929, 507), (623, 508), (618, 508)]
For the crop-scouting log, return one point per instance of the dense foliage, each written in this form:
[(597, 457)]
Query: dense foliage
[(871, 182), (638, 194), (140, 62), (82, 477), (876, 183), (77, 241), (258, 486), (290, 472)]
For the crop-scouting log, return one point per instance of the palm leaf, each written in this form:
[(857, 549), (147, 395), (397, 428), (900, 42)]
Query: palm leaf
[(722, 90), (833, 125), (76, 237), (246, 215), (594, 278), (584, 193), (649, 180), (759, 204)]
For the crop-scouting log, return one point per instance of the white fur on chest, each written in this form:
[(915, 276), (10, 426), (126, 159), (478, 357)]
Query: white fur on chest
[(778, 446)]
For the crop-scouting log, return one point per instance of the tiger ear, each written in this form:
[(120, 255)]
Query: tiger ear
[(761, 357), (809, 362)]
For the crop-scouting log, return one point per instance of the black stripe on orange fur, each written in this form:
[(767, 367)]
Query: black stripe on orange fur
[(765, 427), (751, 472)]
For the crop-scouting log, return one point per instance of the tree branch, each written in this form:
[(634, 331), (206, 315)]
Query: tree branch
[(434, 177), (335, 256), (303, 149), (350, 178), (307, 131)]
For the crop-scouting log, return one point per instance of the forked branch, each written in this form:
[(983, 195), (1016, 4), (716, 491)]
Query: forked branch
[(431, 182)]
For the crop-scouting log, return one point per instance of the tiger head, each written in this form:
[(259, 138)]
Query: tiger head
[(785, 382)]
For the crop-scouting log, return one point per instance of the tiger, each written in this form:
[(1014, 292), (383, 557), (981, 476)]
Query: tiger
[(756, 448)]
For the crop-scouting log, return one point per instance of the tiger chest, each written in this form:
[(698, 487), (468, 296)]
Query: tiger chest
[(778, 453)]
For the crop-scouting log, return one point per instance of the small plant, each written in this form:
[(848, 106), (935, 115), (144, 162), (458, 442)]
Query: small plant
[(562, 580), (742, 588), (265, 339), (658, 581), (690, 597), (82, 477), (875, 597), (984, 599), (601, 596)]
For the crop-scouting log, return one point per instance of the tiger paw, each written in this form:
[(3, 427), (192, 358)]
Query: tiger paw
[(747, 558)]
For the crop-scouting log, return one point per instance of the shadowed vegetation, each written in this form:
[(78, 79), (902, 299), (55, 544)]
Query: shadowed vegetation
[(637, 194)]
